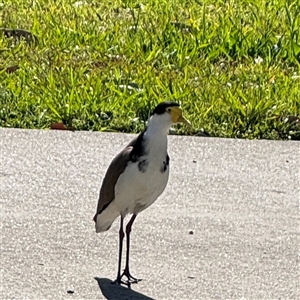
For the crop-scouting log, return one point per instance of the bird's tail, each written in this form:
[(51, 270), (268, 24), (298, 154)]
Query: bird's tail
[(104, 220)]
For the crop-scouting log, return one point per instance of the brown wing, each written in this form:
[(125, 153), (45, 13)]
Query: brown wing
[(115, 169)]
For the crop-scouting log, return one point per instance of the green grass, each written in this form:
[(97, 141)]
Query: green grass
[(103, 65)]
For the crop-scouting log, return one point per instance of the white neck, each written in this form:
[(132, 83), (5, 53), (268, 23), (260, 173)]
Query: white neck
[(156, 140), (158, 125)]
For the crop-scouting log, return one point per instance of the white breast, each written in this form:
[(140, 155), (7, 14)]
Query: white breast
[(136, 190)]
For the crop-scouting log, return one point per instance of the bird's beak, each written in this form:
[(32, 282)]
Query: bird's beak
[(177, 117), (183, 120)]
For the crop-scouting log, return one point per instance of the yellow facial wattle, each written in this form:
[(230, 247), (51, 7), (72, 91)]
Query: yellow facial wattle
[(177, 117)]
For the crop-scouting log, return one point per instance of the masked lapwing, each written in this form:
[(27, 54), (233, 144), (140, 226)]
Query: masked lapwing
[(136, 177)]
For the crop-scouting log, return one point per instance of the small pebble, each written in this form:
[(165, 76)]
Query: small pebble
[(70, 292), (194, 161), (191, 232)]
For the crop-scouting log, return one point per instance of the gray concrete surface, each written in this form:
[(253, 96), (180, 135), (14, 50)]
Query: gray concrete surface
[(240, 198)]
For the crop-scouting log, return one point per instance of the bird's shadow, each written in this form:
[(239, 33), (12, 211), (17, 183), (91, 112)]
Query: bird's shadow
[(117, 292)]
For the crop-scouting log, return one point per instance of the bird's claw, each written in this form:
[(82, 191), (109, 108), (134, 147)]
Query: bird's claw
[(130, 279)]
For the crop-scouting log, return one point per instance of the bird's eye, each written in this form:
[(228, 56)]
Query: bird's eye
[(168, 109)]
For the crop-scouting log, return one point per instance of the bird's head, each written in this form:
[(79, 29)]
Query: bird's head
[(169, 113)]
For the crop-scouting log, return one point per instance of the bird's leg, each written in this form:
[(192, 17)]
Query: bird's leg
[(121, 237), (126, 272)]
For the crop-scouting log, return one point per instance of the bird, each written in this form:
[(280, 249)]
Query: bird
[(136, 177)]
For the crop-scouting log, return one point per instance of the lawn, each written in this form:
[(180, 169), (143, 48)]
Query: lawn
[(103, 65)]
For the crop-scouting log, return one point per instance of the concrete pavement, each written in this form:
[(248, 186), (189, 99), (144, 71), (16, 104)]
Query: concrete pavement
[(226, 227)]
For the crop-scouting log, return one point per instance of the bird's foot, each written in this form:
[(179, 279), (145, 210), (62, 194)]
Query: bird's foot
[(130, 279)]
